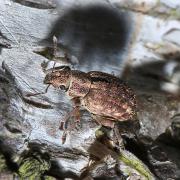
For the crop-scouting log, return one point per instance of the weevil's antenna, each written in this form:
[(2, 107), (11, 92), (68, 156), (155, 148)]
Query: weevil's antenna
[(54, 58), (35, 94), (55, 51)]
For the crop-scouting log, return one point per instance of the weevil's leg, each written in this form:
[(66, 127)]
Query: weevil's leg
[(55, 58), (109, 122), (54, 46), (54, 51), (104, 121), (68, 130), (77, 104), (118, 137), (90, 166), (72, 126), (74, 113)]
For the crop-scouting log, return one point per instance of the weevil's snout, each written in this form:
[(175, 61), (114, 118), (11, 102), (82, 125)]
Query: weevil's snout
[(58, 79), (47, 79)]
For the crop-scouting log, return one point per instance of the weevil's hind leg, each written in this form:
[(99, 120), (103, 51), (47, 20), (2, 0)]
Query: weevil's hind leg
[(104, 121), (92, 164), (110, 122), (118, 139)]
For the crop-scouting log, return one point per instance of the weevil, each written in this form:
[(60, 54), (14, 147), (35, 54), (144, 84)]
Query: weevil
[(105, 96)]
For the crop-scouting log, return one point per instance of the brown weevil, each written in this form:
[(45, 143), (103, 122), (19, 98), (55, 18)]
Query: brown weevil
[(105, 96)]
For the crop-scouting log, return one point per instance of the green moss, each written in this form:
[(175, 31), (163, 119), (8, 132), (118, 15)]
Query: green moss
[(3, 166), (99, 133), (175, 13), (49, 178), (133, 162), (130, 161), (32, 168)]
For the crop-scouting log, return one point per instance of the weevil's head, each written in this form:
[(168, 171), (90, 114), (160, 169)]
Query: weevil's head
[(59, 78)]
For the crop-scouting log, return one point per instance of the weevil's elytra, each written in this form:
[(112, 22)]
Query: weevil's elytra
[(113, 99), (103, 95)]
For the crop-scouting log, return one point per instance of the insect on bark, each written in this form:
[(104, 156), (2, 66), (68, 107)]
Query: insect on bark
[(105, 96)]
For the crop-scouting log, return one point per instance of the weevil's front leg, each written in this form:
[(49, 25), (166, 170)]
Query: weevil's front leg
[(74, 113), (76, 105)]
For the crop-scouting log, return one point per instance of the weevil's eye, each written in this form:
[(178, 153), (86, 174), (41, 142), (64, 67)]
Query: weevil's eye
[(62, 87)]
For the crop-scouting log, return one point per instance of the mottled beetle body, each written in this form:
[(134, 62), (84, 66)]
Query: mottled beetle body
[(105, 96)]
